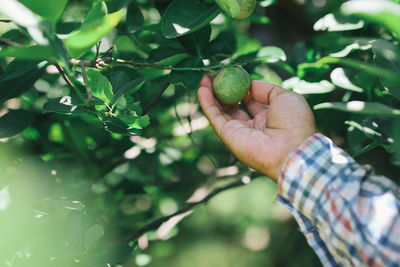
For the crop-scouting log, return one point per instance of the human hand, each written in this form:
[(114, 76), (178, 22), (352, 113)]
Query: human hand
[(277, 121)]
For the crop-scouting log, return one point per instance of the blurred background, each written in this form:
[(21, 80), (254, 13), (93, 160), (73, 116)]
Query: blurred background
[(74, 194)]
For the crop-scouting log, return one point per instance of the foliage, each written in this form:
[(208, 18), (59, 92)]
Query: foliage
[(103, 142)]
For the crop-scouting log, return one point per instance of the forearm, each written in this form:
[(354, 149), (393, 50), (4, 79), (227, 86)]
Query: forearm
[(354, 212)]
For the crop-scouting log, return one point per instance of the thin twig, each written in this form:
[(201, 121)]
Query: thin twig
[(97, 50), (189, 206), (365, 149), (5, 20), (66, 79), (154, 100), (107, 52), (8, 42), (85, 79), (189, 134)]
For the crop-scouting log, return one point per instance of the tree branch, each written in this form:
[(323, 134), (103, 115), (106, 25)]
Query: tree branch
[(154, 100), (8, 42), (85, 79), (5, 20), (102, 62), (107, 52), (97, 49), (65, 77), (189, 134), (189, 206)]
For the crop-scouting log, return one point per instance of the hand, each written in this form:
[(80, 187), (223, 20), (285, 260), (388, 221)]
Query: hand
[(277, 121)]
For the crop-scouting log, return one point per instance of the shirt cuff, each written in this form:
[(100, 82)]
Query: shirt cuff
[(303, 180), (308, 171)]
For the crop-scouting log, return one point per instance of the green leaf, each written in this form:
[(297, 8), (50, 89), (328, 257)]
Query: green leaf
[(64, 105), (128, 88), (99, 10), (342, 78), (266, 3), (196, 42), (116, 125), (83, 39), (376, 127), (360, 65), (173, 60), (136, 122), (360, 107), (379, 129), (387, 55), (183, 17), (17, 68), (231, 7), (303, 87), (334, 22), (13, 87), (143, 122), (224, 45), (60, 53), (14, 122), (167, 56), (49, 10), (313, 70), (92, 236), (266, 54), (118, 79), (189, 79), (264, 73), (24, 17), (134, 18), (99, 85), (384, 12), (352, 45), (67, 27), (32, 52)]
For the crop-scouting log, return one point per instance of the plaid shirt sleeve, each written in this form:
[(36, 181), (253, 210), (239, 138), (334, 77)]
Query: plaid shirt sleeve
[(349, 215)]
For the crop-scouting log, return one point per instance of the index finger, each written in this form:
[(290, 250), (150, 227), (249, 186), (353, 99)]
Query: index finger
[(206, 81), (209, 105)]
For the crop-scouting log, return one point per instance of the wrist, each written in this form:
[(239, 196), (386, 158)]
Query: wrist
[(296, 141)]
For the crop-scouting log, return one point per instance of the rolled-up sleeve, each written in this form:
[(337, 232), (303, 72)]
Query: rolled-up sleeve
[(349, 215)]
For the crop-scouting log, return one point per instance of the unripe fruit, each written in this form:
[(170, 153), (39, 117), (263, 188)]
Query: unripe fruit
[(231, 85), (246, 7)]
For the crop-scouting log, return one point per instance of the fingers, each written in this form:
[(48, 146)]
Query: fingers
[(252, 106), (261, 95), (210, 106), (264, 93), (206, 81), (207, 99)]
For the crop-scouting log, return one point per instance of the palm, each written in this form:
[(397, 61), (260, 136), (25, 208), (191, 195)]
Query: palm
[(263, 137)]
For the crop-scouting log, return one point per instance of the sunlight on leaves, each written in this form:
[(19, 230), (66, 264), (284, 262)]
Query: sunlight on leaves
[(183, 17), (341, 79), (360, 107), (384, 12), (331, 22), (303, 87)]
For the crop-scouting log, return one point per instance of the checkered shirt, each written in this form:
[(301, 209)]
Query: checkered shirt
[(349, 215)]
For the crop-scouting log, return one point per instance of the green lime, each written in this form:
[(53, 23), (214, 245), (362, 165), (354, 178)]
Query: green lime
[(231, 85), (246, 7)]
